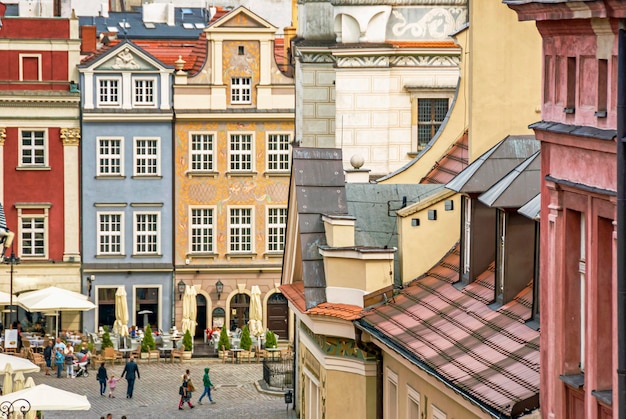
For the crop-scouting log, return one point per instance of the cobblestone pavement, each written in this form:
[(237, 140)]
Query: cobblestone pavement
[(156, 393)]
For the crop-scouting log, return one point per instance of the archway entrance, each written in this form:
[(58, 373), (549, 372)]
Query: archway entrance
[(200, 316)]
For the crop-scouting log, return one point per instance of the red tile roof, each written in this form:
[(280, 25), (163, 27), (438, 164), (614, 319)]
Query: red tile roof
[(295, 294), (485, 354), (451, 164)]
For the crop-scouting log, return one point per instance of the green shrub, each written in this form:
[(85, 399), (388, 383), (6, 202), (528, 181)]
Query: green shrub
[(106, 339), (246, 340), (187, 341), (270, 339), (223, 340), (148, 344)]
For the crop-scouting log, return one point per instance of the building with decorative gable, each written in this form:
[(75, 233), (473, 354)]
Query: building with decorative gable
[(127, 213), (232, 143), (39, 154)]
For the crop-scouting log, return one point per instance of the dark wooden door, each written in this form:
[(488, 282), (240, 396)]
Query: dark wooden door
[(201, 316), (278, 315)]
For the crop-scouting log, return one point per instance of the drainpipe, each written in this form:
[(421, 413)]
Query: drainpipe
[(621, 223)]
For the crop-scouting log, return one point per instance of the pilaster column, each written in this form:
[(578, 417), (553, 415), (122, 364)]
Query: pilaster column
[(3, 137), (71, 194)]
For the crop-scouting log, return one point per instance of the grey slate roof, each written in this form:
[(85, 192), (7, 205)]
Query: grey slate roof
[(489, 168), (532, 209), (517, 187)]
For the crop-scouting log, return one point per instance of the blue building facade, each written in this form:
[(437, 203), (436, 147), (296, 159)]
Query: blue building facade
[(126, 199)]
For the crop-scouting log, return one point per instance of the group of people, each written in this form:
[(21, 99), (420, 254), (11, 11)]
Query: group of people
[(62, 355), (131, 372)]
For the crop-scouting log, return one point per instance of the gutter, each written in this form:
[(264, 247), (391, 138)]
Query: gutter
[(361, 325)]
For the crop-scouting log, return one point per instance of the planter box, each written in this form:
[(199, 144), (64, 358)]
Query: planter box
[(187, 355), (144, 355)]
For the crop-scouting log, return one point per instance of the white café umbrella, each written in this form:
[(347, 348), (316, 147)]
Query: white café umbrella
[(17, 364), (52, 300), (189, 310), (32, 413), (7, 383), (5, 298), (255, 324), (121, 312), (45, 397), (18, 381)]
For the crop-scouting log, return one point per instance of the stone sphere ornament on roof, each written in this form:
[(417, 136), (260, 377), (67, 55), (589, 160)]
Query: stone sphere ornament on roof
[(357, 161)]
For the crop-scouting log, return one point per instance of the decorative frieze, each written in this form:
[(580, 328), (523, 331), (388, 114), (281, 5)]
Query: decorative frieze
[(70, 136), (383, 61), (371, 61), (424, 23), (317, 58), (388, 2), (425, 60)]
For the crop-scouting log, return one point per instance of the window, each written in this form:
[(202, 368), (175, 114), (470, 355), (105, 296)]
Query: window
[(240, 230), (240, 90), (582, 278), (146, 233), (392, 394), (438, 413), (276, 225), (30, 67), (413, 403), (33, 148), (278, 152), (109, 236), (202, 150), (108, 92), (147, 157), (240, 50), (144, 92), (110, 157), (603, 72), (33, 234), (241, 152), (430, 115), (201, 228), (570, 100)]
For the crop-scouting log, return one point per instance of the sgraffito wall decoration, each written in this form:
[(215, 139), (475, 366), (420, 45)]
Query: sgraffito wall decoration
[(425, 23)]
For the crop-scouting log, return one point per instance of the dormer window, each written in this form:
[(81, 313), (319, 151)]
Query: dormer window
[(109, 91), (144, 92), (240, 90)]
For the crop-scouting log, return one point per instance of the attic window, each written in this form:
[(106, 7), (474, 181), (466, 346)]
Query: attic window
[(241, 50), (187, 25), (124, 24), (149, 25), (112, 29), (199, 25)]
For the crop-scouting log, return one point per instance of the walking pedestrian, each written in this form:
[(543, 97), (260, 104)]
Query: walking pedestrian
[(112, 384), (131, 371), (186, 389), (69, 362), (102, 378), (59, 360), (206, 381), (48, 352)]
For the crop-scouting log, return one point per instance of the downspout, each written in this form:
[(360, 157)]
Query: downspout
[(621, 223)]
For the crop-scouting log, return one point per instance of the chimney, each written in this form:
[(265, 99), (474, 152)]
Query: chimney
[(88, 39), (171, 15)]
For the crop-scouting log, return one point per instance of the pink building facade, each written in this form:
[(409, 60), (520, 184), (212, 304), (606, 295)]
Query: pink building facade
[(578, 206)]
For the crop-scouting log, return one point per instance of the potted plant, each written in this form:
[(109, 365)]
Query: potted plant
[(147, 344), (106, 339), (246, 340), (223, 343), (270, 339), (187, 345)]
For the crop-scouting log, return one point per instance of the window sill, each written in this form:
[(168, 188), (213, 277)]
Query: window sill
[(241, 174), (230, 256), (605, 397), (273, 255), (33, 167), (574, 381), (147, 177), (277, 174), (147, 255), (600, 114), (111, 177), (191, 174), (569, 110), (192, 256), (111, 256)]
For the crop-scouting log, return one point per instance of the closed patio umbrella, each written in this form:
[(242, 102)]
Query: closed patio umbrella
[(7, 383), (189, 310), (255, 324), (18, 381), (30, 383), (121, 312)]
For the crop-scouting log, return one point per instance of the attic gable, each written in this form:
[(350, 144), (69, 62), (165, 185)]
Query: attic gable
[(242, 18), (125, 57)]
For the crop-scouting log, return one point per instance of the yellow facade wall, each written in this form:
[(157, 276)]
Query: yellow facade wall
[(366, 275), (505, 75), (421, 247)]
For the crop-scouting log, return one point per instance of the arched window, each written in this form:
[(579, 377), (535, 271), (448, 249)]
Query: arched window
[(219, 315), (239, 311)]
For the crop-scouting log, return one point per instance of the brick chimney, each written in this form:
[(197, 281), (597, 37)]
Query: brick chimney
[(88, 39)]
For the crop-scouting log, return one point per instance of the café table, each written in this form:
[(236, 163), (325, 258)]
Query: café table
[(35, 343), (125, 352), (236, 352)]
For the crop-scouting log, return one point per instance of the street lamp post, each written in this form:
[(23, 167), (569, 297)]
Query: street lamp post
[(12, 261)]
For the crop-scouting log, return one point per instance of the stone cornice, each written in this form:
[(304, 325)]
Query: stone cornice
[(380, 59), (388, 2)]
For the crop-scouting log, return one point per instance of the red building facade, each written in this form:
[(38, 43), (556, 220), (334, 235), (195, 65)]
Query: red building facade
[(578, 206), (39, 150)]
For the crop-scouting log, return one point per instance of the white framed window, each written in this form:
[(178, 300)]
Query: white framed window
[(202, 230), (276, 228), (240, 230), (202, 152), (147, 157), (110, 233), (33, 148), (110, 156), (430, 115), (438, 413), (278, 152), (144, 91), (33, 235), (312, 395), (413, 403), (109, 91), (147, 233), (30, 67), (240, 90), (392, 394), (240, 153)]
